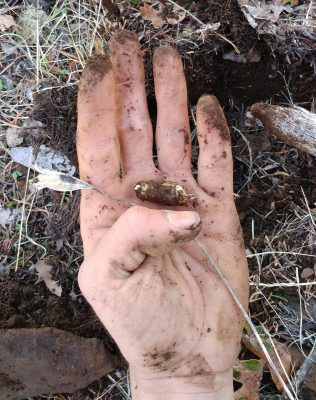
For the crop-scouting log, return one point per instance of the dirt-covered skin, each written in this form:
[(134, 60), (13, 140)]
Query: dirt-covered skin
[(150, 285)]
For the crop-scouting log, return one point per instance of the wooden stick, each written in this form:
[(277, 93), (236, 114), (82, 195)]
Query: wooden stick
[(293, 125)]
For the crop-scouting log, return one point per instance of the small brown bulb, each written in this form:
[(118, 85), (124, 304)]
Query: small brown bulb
[(168, 193)]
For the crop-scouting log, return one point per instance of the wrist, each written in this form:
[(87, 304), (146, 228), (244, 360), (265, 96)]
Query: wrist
[(199, 387)]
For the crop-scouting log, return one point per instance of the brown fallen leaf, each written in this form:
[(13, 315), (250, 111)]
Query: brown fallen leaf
[(249, 374), (44, 270), (293, 3), (152, 15), (6, 21), (251, 343)]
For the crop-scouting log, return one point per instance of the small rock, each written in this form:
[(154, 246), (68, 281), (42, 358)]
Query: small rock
[(48, 360), (307, 273)]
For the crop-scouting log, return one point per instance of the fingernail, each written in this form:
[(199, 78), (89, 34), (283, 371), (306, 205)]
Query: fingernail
[(184, 219)]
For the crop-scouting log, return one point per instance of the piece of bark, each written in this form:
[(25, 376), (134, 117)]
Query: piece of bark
[(293, 125), (49, 360)]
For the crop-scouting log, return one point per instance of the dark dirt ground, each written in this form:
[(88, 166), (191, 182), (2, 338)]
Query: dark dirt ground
[(28, 303)]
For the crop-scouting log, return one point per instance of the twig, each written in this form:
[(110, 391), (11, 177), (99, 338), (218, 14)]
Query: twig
[(23, 214), (26, 228), (283, 284), (250, 168), (291, 253)]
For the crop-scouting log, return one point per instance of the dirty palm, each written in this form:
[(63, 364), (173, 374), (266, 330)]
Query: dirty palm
[(149, 284)]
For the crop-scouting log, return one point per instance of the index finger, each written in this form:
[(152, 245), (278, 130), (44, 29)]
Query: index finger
[(97, 144)]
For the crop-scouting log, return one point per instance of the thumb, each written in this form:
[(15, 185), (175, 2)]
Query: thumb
[(138, 232)]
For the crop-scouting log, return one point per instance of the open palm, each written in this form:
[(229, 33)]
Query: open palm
[(149, 283)]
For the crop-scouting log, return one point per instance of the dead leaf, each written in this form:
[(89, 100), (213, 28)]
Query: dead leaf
[(66, 183), (293, 2), (251, 343), (13, 136), (297, 356), (8, 215), (57, 181), (6, 21), (5, 245), (44, 274), (44, 157), (178, 15), (5, 216), (253, 56), (249, 374), (152, 15), (257, 12)]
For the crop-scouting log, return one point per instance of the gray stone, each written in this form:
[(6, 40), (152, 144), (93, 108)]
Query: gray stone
[(48, 360)]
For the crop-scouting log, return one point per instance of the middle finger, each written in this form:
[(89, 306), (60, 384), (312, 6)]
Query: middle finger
[(173, 130), (133, 122)]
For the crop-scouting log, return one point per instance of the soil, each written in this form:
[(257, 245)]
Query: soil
[(26, 303), (57, 111)]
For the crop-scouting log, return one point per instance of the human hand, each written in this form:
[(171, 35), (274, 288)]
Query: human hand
[(157, 295)]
